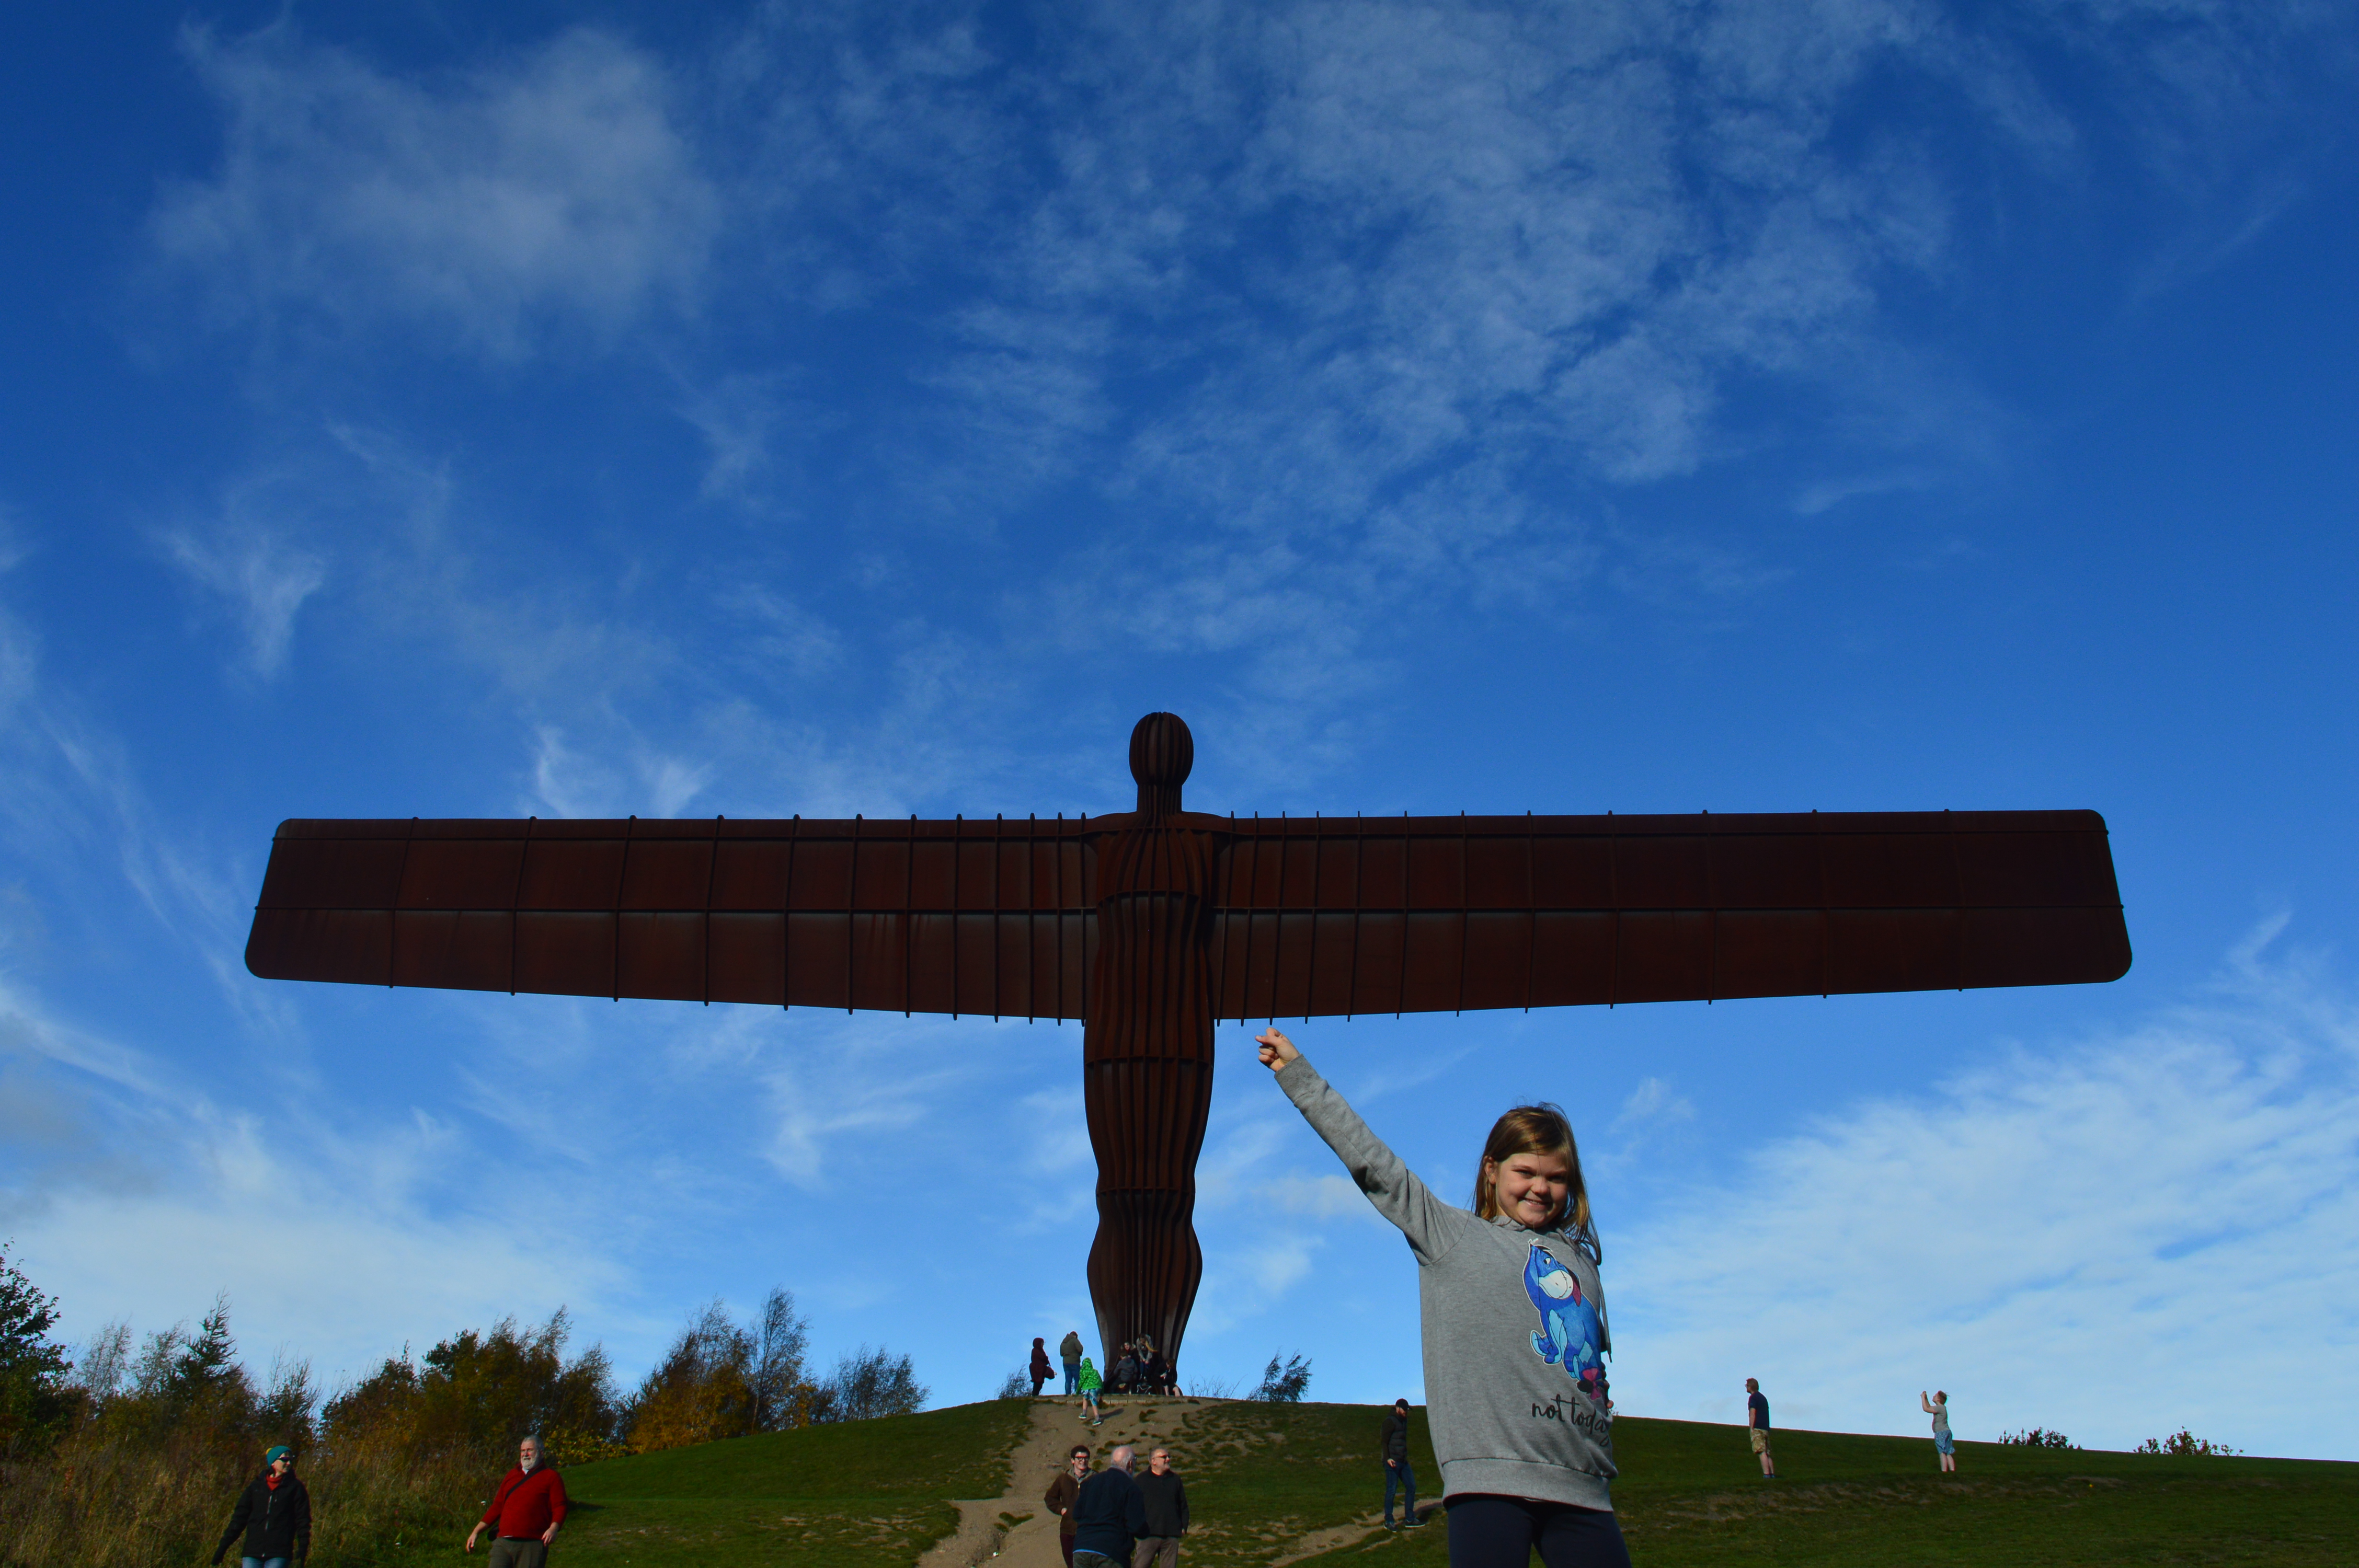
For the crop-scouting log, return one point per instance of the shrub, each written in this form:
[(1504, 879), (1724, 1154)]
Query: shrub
[(159, 1445), (2037, 1438), (2185, 1443), (1286, 1384), (1018, 1385)]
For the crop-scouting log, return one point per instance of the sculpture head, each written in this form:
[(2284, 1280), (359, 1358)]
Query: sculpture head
[(1162, 754)]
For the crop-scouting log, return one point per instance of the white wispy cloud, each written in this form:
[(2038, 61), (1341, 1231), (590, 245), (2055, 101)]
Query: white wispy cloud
[(145, 1193), (263, 581), (1334, 318), (1652, 1103), (2115, 1238), (553, 189)]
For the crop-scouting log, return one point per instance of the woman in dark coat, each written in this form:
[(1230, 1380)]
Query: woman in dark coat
[(274, 1513), (1039, 1365)]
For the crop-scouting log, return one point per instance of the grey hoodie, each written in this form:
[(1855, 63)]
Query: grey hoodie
[(1513, 1321)]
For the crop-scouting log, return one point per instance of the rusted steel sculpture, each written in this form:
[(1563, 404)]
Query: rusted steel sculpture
[(1150, 926)]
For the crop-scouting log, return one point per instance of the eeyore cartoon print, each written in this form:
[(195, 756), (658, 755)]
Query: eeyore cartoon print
[(1569, 1336)]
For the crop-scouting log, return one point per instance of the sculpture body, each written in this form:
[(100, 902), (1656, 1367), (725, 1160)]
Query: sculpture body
[(1150, 926)]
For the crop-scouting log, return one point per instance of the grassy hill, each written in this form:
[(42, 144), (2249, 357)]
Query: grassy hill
[(866, 1494), (1262, 1478)]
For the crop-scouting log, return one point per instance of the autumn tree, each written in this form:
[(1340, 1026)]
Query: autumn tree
[(720, 1380), (486, 1389)]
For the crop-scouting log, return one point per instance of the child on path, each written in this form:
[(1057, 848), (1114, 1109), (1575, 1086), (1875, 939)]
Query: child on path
[(1090, 1383), (1513, 1321), (1938, 1407)]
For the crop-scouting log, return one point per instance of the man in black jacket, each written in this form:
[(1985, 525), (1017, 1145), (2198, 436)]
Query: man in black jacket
[(1399, 1476), (1108, 1515), (1167, 1514), (274, 1513)]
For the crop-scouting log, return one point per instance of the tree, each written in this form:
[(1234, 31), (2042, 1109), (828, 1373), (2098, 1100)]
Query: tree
[(206, 1367), (868, 1384), (479, 1389), (703, 1388), (722, 1380), (781, 1382), (35, 1400)]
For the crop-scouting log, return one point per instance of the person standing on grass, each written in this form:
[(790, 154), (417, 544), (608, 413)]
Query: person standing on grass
[(1513, 1320), (1938, 1407), (1069, 1348), (1058, 1498), (1756, 1425), (526, 1509), (1399, 1476), (274, 1513), (1167, 1513), (1109, 1515), (1039, 1365)]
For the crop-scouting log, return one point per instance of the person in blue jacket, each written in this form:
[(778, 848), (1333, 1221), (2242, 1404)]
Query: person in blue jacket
[(1109, 1515)]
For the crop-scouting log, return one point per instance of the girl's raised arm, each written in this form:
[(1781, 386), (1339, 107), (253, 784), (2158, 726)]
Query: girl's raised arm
[(1429, 1224)]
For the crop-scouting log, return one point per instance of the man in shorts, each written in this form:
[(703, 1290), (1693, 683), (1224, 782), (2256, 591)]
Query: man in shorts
[(1756, 1424)]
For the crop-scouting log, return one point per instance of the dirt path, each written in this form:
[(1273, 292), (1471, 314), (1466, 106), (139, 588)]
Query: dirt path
[(1031, 1543), (985, 1534)]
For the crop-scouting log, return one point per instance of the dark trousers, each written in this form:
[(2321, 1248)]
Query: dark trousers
[(1400, 1477), (518, 1552), (1038, 1378), (1502, 1532)]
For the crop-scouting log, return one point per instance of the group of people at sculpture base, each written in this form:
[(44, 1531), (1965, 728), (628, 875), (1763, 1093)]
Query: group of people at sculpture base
[(1138, 1368)]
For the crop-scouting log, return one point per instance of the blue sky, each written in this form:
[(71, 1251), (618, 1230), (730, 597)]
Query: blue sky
[(583, 410)]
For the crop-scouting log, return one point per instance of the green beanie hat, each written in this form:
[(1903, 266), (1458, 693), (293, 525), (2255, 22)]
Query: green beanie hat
[(275, 1454)]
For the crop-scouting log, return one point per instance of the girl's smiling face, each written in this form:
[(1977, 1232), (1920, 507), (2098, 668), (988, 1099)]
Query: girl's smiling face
[(1530, 1188)]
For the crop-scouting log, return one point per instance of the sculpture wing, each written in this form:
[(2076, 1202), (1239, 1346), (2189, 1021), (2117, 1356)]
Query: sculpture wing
[(1339, 915), (983, 917)]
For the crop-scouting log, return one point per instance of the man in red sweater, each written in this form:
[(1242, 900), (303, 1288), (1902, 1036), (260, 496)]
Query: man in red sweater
[(527, 1508)]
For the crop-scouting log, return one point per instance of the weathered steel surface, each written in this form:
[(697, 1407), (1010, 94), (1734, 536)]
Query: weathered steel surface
[(1150, 926)]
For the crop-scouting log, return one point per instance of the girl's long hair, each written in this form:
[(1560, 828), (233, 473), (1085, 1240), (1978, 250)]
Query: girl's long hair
[(1542, 1129)]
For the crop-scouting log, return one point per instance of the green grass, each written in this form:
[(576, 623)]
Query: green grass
[(876, 1494), (1691, 1493), (1260, 1476), (869, 1493)]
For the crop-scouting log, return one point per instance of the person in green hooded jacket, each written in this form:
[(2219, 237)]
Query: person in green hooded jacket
[(1091, 1384)]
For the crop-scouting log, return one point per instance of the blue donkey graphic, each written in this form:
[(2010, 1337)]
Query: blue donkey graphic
[(1569, 1333)]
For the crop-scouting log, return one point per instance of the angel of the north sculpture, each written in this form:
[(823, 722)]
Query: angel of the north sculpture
[(1149, 926)]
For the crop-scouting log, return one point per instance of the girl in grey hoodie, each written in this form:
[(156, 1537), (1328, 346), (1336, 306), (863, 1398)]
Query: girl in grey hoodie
[(1513, 1320)]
